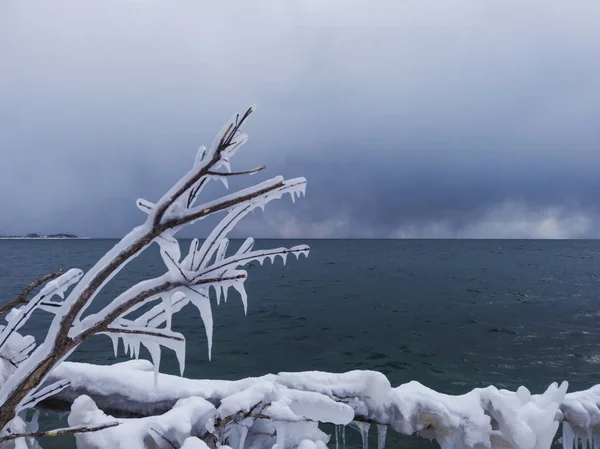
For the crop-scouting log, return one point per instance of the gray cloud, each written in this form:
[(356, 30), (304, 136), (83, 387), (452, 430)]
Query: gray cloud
[(467, 119)]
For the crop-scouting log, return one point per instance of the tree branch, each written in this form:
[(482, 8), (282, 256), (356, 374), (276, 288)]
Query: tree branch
[(238, 260), (69, 329), (224, 143), (237, 173), (232, 200), (22, 298), (58, 432), (127, 305), (124, 330)]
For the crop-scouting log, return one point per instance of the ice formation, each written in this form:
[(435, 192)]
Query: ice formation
[(284, 409), (188, 278), (188, 416)]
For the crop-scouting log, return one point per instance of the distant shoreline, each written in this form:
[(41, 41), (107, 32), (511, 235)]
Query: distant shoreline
[(45, 238), (36, 236)]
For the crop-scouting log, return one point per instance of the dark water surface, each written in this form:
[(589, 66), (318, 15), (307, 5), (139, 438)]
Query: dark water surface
[(452, 314)]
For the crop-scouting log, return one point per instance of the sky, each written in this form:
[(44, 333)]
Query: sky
[(410, 119)]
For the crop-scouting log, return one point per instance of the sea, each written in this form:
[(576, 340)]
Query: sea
[(451, 314)]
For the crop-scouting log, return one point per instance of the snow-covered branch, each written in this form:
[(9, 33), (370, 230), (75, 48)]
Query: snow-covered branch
[(185, 281), (286, 408), (59, 432), (22, 298), (44, 393), (19, 316)]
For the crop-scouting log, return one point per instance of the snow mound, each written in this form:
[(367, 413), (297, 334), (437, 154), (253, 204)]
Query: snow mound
[(285, 409)]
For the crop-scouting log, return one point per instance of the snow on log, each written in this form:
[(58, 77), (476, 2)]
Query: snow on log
[(482, 418)]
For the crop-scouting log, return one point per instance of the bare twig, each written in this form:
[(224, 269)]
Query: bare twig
[(124, 330), (224, 143), (237, 173), (22, 298), (58, 432)]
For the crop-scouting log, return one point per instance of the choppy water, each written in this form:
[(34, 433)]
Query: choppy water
[(453, 315)]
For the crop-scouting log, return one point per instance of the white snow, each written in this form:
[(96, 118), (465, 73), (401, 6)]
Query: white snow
[(285, 405), (188, 417), (581, 410)]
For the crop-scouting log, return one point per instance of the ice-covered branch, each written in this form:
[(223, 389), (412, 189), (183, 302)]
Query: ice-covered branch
[(199, 258), (59, 432), (259, 256), (157, 333), (223, 148), (224, 203), (43, 393), (22, 298), (19, 316), (185, 280), (237, 173), (288, 406)]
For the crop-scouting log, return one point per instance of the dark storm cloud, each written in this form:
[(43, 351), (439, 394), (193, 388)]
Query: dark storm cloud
[(463, 119)]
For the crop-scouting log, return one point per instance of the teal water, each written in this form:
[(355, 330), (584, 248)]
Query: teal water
[(452, 314)]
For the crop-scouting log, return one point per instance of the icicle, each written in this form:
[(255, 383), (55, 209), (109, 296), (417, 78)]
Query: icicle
[(280, 430), (34, 424), (239, 286), (363, 428), (125, 339), (180, 353), (243, 434), (136, 349), (343, 437), (223, 179), (154, 350), (217, 291), (568, 436), (203, 305), (115, 342), (337, 436), (381, 434)]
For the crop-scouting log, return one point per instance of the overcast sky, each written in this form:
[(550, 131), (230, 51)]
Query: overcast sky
[(408, 118)]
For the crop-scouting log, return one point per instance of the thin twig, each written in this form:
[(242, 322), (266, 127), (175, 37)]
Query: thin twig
[(236, 173), (121, 330), (22, 298), (58, 432)]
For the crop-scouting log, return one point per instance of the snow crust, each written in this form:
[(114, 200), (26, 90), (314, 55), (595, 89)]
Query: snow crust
[(285, 409)]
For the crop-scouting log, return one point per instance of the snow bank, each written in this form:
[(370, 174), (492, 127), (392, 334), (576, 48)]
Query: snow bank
[(285, 409)]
